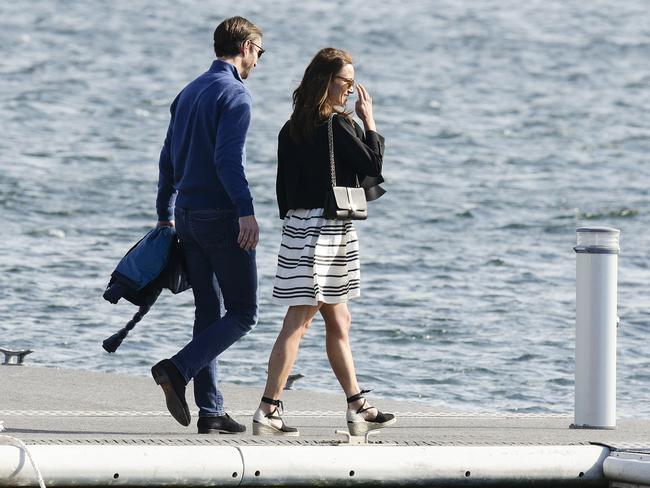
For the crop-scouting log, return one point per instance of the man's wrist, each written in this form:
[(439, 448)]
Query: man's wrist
[(165, 212), (245, 209)]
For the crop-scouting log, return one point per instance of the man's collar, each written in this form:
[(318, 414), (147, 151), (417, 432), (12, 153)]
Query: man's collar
[(220, 66)]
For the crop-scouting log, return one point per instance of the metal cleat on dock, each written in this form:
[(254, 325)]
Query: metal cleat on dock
[(356, 440), (15, 358)]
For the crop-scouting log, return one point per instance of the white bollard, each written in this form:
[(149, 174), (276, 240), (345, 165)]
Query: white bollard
[(596, 321)]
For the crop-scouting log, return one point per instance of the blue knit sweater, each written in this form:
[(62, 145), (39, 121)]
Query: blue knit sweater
[(203, 159)]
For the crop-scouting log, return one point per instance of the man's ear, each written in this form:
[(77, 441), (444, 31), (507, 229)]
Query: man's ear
[(245, 46)]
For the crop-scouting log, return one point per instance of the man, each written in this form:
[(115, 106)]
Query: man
[(202, 165)]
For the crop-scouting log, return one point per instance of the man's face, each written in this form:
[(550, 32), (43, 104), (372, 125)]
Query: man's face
[(252, 52)]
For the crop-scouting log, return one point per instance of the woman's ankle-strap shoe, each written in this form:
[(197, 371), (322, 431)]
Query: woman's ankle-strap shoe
[(266, 423), (358, 424)]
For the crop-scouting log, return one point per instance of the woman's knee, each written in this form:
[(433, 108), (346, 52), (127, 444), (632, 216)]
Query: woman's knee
[(298, 320), (339, 325), (305, 327)]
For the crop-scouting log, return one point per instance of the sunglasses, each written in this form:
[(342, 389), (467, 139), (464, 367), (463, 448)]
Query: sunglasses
[(260, 50), (348, 81)]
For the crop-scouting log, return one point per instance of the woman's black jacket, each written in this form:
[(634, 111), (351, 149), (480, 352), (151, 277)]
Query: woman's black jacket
[(303, 178)]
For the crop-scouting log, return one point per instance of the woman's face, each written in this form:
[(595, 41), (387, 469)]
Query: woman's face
[(341, 86)]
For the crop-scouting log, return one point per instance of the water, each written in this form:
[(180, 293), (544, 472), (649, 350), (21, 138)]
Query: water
[(507, 125)]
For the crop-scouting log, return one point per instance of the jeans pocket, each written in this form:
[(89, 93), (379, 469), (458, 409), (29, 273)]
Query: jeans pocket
[(214, 228)]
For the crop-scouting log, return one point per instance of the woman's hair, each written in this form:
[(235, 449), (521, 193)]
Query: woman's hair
[(231, 34), (310, 102)]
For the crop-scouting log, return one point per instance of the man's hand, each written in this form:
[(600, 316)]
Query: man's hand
[(249, 233), (165, 223)]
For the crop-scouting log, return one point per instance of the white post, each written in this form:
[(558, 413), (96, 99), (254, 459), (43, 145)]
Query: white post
[(596, 320)]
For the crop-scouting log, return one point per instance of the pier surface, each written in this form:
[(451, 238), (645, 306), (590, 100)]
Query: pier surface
[(47, 405), (93, 429)]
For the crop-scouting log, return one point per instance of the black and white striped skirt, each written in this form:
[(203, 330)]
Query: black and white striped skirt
[(318, 260)]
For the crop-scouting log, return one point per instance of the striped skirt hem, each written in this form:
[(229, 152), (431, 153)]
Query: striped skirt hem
[(318, 260)]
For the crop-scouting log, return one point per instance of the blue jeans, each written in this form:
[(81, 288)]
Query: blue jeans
[(218, 269)]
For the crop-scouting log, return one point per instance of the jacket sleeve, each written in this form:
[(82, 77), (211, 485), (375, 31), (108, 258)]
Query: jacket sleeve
[(230, 151), (166, 190), (364, 154)]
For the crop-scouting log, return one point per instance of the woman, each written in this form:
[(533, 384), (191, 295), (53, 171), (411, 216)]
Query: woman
[(318, 263)]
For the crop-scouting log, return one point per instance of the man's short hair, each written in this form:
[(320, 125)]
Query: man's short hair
[(231, 34)]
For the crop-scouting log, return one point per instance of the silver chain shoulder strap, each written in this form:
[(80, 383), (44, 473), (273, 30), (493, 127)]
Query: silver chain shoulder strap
[(330, 137)]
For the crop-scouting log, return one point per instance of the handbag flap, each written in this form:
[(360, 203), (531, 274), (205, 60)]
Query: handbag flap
[(352, 199)]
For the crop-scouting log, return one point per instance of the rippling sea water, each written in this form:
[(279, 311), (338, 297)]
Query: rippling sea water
[(507, 126)]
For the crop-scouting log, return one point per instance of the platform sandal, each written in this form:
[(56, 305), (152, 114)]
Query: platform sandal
[(357, 424), (263, 422)]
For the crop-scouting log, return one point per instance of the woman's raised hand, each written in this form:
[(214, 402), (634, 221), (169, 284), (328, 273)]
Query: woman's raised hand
[(363, 107)]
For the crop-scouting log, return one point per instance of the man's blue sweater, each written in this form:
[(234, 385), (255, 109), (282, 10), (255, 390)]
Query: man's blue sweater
[(203, 159)]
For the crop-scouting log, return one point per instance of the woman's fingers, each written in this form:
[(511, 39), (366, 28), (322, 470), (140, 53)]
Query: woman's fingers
[(359, 93), (366, 94), (364, 97), (363, 107)]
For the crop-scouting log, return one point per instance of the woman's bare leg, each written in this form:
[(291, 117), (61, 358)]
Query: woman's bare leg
[(285, 350), (337, 326)]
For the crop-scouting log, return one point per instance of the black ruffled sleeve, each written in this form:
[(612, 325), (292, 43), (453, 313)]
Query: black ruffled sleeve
[(365, 154)]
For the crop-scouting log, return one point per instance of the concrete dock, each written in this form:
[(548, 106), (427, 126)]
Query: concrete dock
[(69, 416)]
